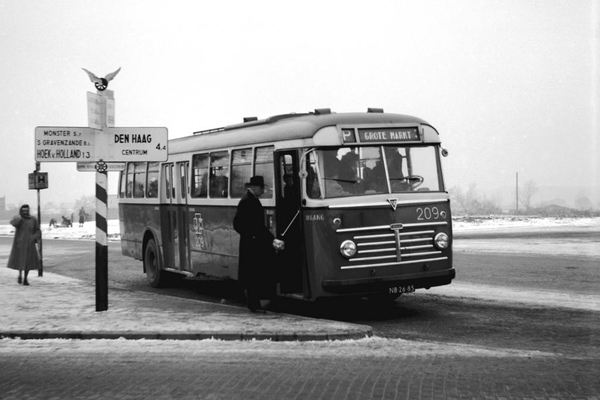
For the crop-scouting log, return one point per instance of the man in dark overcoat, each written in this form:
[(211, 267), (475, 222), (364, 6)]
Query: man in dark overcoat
[(24, 253), (257, 245)]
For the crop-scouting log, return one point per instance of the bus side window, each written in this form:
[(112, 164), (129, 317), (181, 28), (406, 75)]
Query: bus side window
[(219, 174), (313, 188), (152, 180), (139, 179), (199, 175), (167, 173), (129, 179), (286, 174), (263, 166), (122, 183), (241, 171)]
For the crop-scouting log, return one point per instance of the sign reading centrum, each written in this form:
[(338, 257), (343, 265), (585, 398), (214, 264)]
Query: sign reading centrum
[(63, 144)]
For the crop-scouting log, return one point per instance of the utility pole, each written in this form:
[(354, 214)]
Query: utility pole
[(517, 191)]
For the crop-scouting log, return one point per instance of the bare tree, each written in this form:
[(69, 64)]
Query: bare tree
[(583, 202), (468, 200), (526, 193)]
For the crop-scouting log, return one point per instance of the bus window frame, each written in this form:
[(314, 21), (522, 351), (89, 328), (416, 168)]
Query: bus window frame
[(268, 165), (315, 153), (238, 180), (218, 187)]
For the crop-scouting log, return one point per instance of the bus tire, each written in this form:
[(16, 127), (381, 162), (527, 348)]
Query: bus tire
[(154, 274)]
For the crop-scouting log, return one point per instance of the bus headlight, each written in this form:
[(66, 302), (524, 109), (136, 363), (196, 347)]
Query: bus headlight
[(441, 241), (348, 248)]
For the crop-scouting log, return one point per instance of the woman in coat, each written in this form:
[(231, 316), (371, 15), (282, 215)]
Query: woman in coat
[(24, 253)]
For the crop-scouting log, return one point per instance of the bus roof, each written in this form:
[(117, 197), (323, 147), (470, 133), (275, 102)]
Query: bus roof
[(284, 127)]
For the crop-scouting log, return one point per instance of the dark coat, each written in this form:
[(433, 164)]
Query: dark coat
[(24, 254), (256, 242)]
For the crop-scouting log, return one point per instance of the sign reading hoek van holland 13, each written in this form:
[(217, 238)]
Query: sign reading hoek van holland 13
[(64, 144)]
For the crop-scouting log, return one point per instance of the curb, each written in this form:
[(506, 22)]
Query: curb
[(227, 336)]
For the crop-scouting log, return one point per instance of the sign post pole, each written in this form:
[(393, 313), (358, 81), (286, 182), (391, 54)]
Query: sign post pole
[(101, 218), (101, 241), (41, 268)]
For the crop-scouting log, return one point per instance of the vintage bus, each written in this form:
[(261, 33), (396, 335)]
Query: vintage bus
[(358, 198)]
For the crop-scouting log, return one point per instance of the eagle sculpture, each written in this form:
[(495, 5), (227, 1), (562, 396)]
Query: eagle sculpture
[(101, 83)]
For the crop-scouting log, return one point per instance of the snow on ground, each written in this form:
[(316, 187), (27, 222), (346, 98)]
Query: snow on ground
[(87, 232), (459, 224)]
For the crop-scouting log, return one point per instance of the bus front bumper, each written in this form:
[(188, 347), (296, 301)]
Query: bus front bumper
[(382, 284)]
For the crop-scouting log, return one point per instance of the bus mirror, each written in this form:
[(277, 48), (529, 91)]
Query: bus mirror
[(444, 152)]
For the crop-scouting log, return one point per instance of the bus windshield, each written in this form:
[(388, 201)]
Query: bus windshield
[(366, 170)]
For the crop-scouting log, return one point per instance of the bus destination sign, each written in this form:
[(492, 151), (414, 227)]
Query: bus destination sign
[(375, 135)]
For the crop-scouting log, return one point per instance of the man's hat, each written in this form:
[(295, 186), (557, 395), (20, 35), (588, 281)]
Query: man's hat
[(256, 181)]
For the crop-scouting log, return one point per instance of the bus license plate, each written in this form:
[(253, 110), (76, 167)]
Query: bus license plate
[(401, 289)]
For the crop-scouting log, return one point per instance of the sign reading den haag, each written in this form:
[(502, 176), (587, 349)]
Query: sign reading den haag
[(64, 144)]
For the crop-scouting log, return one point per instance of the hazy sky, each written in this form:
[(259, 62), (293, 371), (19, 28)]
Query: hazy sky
[(512, 85)]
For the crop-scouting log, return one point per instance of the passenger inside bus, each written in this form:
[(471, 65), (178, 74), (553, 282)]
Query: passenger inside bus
[(218, 184), (333, 188), (348, 177)]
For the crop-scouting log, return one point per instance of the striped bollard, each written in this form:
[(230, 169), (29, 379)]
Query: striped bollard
[(101, 237)]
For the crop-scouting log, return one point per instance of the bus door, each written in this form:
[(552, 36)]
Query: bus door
[(175, 223), (182, 226), (169, 218), (289, 227)]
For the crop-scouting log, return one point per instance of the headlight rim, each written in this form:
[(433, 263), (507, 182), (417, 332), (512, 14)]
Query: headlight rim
[(441, 237), (345, 245)]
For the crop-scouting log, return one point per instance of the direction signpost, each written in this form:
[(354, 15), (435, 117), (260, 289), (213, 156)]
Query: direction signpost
[(101, 147)]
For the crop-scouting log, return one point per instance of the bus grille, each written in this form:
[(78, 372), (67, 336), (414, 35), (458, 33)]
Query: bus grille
[(395, 244)]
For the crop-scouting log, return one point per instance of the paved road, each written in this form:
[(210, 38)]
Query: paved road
[(365, 369)]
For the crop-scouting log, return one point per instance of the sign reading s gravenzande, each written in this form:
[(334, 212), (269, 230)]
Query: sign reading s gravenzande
[(82, 144)]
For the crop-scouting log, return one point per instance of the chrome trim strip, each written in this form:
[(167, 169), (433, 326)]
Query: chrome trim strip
[(375, 236), (377, 250), (393, 263), (427, 239), (429, 253), (393, 242), (425, 246), (386, 204), (376, 243), (382, 235), (416, 233), (364, 228), (371, 258), (373, 228)]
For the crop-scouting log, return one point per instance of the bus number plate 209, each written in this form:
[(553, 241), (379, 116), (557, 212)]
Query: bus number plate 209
[(401, 289)]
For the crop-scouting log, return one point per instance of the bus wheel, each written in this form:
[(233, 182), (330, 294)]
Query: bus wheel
[(151, 265)]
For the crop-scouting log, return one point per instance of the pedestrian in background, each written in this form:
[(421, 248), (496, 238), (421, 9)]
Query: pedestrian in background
[(81, 216), (257, 245), (24, 254)]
